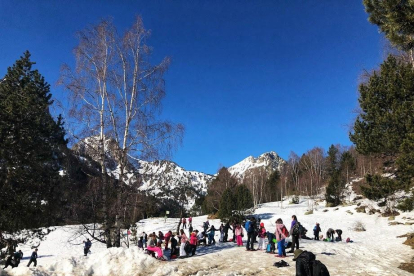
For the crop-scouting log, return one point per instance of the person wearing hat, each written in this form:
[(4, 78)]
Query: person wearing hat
[(262, 235), (304, 261)]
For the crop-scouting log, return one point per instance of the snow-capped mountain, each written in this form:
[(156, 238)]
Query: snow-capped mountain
[(165, 178), (269, 160)]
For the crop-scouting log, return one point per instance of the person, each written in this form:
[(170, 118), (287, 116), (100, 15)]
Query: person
[(190, 221), (206, 225), (153, 246), (304, 260), (295, 233), (14, 260), (281, 234), (141, 243), (190, 229), (160, 238), (201, 237), (262, 236), (145, 239), (316, 231), (183, 240), (33, 258), (221, 230), (193, 243), (226, 231), (270, 238), (234, 224), (167, 237), (87, 246), (330, 234), (339, 233), (174, 243), (211, 232), (239, 235), (184, 223), (250, 225)]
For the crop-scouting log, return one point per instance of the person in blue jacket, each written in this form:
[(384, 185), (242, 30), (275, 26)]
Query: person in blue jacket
[(87, 246), (33, 258)]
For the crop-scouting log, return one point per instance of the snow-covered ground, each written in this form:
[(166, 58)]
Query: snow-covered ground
[(377, 251)]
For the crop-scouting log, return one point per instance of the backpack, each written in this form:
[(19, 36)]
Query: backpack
[(285, 232), (296, 229), (319, 269), (269, 248)]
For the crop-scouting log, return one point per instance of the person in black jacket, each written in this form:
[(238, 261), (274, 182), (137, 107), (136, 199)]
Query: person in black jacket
[(226, 231), (339, 233), (33, 258), (304, 261)]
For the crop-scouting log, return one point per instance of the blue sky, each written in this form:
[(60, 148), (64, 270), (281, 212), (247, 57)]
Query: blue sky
[(246, 77)]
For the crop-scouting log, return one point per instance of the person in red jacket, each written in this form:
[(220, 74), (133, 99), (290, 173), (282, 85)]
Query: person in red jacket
[(193, 243), (167, 237)]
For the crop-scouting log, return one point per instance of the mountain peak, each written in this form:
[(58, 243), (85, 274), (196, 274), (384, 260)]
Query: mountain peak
[(270, 160)]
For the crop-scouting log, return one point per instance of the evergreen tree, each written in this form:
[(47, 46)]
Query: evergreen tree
[(30, 149), (395, 19), (336, 182), (386, 124), (244, 198), (272, 191), (227, 204)]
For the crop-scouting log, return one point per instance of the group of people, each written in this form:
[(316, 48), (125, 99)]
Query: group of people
[(14, 260), (187, 244)]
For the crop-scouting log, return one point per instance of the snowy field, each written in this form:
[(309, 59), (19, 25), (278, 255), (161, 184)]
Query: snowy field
[(376, 251)]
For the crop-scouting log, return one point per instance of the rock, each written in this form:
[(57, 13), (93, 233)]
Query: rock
[(326, 210), (391, 218), (394, 223), (409, 223), (360, 209), (349, 212)]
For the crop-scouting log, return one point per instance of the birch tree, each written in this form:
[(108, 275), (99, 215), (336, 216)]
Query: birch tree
[(116, 96)]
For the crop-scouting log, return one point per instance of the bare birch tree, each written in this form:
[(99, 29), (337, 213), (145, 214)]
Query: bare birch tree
[(117, 96)]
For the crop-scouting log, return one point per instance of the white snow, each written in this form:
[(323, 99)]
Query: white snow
[(376, 251)]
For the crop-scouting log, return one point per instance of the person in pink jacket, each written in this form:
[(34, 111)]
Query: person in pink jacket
[(183, 239), (262, 235), (281, 234), (239, 234), (193, 243), (153, 246)]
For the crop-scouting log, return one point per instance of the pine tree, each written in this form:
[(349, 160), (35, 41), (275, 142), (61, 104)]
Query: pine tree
[(30, 149), (386, 124), (336, 182), (227, 204), (395, 19), (244, 198)]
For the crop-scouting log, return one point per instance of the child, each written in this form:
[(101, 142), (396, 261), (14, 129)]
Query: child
[(281, 234), (152, 246), (174, 242), (193, 243), (183, 240), (141, 243), (316, 231), (239, 235), (261, 234)]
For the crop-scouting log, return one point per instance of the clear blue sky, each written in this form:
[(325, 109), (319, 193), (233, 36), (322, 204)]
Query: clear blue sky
[(247, 77)]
